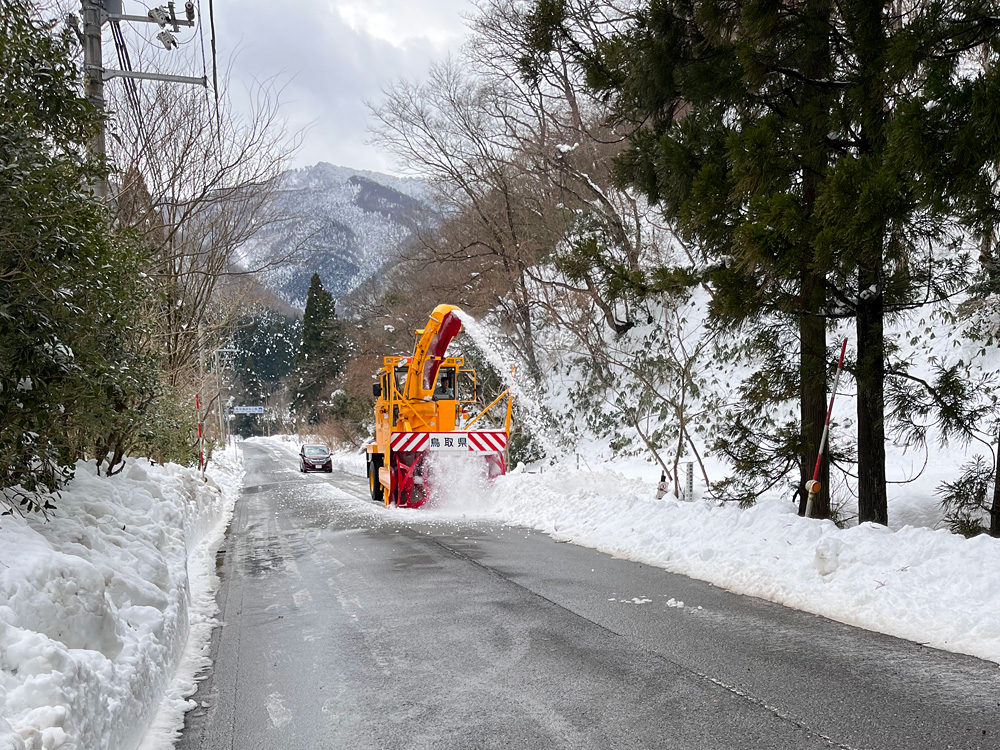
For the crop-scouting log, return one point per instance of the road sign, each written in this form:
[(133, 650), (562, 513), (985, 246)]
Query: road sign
[(248, 410)]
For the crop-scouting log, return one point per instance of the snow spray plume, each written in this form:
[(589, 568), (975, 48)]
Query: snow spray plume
[(500, 356)]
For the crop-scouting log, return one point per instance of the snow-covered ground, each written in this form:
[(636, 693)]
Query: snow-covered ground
[(94, 648), (106, 609)]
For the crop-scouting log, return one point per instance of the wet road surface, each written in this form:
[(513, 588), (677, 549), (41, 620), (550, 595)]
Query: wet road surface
[(347, 625)]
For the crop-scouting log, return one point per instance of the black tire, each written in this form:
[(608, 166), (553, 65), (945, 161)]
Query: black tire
[(374, 464)]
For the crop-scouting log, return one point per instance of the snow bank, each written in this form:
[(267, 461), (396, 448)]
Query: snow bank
[(105, 609)]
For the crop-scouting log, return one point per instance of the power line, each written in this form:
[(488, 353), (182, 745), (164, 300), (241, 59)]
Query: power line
[(131, 91), (94, 15), (215, 64), (215, 78), (204, 62)]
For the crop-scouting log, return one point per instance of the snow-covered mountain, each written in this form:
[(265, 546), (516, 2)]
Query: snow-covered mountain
[(341, 223)]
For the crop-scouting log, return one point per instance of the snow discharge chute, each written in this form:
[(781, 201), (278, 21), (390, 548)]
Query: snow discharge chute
[(427, 403), (429, 352)]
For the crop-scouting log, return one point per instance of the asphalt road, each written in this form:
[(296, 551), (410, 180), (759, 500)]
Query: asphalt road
[(350, 626)]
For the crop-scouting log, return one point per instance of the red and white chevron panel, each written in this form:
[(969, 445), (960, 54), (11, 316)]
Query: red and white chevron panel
[(409, 441), (487, 442), (474, 441)]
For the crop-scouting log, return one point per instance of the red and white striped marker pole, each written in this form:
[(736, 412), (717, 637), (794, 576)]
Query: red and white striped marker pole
[(813, 486)]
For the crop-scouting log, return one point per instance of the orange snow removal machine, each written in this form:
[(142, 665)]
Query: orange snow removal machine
[(424, 405)]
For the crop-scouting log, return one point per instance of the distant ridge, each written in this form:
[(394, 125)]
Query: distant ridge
[(325, 174), (341, 223)]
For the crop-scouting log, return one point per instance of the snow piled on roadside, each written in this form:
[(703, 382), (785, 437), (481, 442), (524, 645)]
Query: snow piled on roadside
[(915, 582), (107, 608)]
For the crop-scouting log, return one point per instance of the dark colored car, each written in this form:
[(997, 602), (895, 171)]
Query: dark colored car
[(315, 457)]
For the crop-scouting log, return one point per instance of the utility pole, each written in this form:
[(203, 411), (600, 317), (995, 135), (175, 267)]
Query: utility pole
[(218, 382), (223, 418), (95, 14), (93, 79)]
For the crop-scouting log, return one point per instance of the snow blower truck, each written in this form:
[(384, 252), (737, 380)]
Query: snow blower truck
[(424, 406)]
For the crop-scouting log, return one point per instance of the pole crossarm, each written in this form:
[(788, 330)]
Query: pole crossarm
[(144, 19), (109, 74)]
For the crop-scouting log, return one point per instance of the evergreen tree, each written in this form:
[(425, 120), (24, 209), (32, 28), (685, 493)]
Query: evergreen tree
[(322, 353), (268, 343), (967, 502), (74, 376), (272, 340), (820, 154)]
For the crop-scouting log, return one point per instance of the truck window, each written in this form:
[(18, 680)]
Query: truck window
[(445, 388), (400, 375), (466, 386)]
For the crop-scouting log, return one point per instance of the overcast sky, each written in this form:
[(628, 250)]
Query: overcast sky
[(328, 56), (332, 56)]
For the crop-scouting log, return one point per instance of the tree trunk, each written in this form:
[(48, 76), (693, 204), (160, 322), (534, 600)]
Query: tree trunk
[(868, 22), (812, 407), (870, 377), (995, 510), (523, 308), (817, 102)]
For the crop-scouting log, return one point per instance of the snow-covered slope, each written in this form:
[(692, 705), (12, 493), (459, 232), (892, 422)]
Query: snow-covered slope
[(673, 385), (341, 223)]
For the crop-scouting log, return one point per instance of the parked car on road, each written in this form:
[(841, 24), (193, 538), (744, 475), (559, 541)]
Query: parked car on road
[(315, 457)]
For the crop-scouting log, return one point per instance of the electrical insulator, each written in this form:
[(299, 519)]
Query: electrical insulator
[(189, 10), (167, 40), (159, 15)]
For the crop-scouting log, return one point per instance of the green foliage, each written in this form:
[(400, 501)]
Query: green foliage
[(966, 501), (761, 442), (322, 354), (829, 159), (267, 344), (980, 311), (589, 260), (761, 452), (164, 434), (318, 314), (523, 447), (39, 102), (954, 401), (544, 24), (346, 408), (645, 391), (75, 379), (353, 415), (271, 341), (759, 435)]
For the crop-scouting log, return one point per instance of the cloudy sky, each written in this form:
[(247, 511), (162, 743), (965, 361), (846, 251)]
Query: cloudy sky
[(332, 56), (328, 57)]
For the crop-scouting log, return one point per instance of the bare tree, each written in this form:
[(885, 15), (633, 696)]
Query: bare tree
[(451, 130), (567, 149), (522, 161), (197, 183)]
